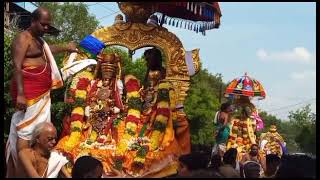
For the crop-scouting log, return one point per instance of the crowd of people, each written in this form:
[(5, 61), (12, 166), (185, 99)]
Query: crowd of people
[(227, 166)]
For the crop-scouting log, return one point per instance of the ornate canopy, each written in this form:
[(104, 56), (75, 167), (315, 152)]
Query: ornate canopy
[(196, 16)]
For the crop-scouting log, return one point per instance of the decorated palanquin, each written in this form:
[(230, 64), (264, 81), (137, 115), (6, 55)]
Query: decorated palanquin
[(244, 125), (135, 130), (272, 142), (129, 140)]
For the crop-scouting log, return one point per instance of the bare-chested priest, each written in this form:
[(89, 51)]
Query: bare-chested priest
[(35, 74)]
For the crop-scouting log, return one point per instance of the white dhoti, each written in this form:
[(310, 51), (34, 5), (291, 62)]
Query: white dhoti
[(38, 111), (23, 123)]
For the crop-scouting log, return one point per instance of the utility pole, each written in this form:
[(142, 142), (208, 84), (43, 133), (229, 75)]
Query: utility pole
[(220, 90), (220, 93), (6, 15)]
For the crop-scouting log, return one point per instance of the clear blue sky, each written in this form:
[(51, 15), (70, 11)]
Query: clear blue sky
[(274, 42)]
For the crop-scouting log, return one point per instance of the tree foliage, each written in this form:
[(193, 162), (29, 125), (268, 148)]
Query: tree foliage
[(73, 19), (75, 22), (284, 128), (201, 105), (299, 132), (304, 121), (8, 67)]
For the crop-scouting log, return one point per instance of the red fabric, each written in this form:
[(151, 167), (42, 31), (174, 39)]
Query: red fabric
[(83, 84), (76, 117), (66, 127), (163, 111), (109, 124), (92, 92), (132, 85), (132, 118), (34, 84)]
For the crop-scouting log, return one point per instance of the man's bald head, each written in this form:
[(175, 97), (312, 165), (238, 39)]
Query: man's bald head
[(40, 21), (38, 13), (42, 128)]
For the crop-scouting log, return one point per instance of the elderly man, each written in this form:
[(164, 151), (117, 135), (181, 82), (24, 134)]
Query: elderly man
[(35, 74), (36, 159)]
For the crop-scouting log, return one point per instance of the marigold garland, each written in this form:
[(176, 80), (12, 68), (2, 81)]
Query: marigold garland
[(78, 110), (81, 94)]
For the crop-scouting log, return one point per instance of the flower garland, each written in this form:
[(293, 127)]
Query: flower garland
[(77, 95), (162, 115), (74, 138), (132, 120), (173, 103)]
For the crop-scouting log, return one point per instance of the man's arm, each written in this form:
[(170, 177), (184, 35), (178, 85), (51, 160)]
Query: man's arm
[(244, 159), (71, 47), (64, 172), (262, 160), (25, 155), (18, 50)]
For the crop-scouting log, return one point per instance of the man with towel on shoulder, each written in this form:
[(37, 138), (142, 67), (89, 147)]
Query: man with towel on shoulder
[(39, 161), (35, 74)]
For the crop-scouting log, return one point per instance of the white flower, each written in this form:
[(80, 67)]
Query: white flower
[(87, 111), (116, 110)]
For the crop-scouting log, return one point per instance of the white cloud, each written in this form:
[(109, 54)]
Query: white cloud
[(297, 54), (303, 75)]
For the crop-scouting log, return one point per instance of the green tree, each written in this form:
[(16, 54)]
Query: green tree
[(75, 22), (201, 105), (269, 120), (288, 131), (304, 122), (284, 128), (8, 105)]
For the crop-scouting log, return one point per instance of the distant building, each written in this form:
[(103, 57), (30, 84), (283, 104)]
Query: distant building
[(21, 13)]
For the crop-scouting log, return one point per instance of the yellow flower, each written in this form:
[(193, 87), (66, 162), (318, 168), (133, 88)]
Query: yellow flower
[(76, 124), (164, 85), (121, 148), (132, 126), (72, 141), (133, 94), (93, 135), (161, 118), (78, 110), (81, 94), (163, 104), (154, 140), (126, 136), (85, 74), (139, 159), (134, 112)]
